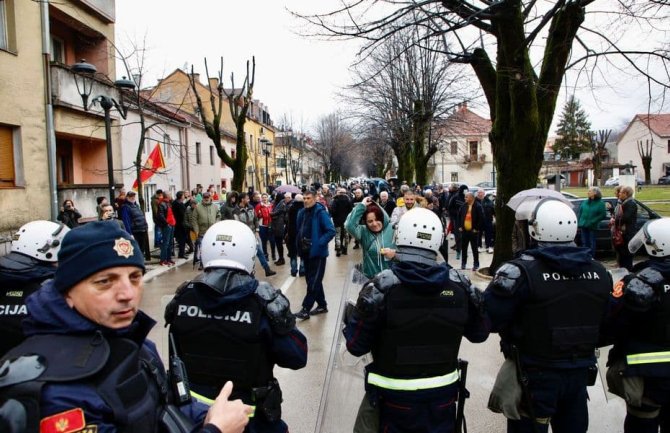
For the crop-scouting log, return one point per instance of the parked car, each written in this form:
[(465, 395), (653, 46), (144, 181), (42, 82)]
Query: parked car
[(665, 180), (603, 235), (569, 195), (486, 185), (614, 181)]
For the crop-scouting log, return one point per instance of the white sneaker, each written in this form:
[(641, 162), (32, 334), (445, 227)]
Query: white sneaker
[(482, 249), (490, 250)]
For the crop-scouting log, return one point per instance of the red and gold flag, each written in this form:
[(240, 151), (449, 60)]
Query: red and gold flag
[(154, 162)]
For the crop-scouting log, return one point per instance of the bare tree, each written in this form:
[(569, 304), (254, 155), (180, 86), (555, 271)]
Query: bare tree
[(598, 142), (403, 87), (521, 92), (238, 99), (334, 141), (645, 150)]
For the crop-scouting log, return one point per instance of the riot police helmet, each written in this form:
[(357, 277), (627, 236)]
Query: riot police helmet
[(420, 228), (655, 236), (40, 240), (553, 221), (229, 244)]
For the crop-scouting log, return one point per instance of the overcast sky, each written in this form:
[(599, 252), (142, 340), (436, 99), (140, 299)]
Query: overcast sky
[(294, 75)]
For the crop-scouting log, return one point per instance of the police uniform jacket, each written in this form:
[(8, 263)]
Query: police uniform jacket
[(550, 304), (639, 320), (447, 312), (223, 331), (51, 317), (20, 276)]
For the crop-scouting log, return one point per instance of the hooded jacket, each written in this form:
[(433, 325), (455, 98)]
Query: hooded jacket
[(371, 243)]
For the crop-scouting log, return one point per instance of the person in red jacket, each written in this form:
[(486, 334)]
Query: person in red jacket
[(263, 211)]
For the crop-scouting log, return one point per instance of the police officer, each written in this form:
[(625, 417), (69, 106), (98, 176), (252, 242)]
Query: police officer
[(412, 318), (229, 326), (33, 259), (86, 364), (639, 363), (547, 306)]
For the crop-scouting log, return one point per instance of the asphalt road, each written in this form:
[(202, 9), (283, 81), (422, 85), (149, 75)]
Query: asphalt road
[(303, 390)]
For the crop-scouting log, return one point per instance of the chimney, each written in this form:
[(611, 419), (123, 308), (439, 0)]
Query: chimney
[(214, 82), (196, 77)]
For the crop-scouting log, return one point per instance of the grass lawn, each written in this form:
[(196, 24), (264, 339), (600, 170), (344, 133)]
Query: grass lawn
[(647, 195)]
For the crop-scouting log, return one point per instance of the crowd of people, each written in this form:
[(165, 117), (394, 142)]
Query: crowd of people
[(75, 351)]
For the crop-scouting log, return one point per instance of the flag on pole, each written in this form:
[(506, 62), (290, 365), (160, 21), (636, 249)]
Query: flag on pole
[(154, 162)]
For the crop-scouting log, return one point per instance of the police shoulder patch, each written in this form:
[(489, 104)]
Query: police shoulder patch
[(617, 291), (70, 421)]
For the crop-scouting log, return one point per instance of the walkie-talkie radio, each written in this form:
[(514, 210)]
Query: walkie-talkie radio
[(181, 390)]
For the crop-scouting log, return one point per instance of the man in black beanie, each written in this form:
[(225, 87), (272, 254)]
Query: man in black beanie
[(91, 365)]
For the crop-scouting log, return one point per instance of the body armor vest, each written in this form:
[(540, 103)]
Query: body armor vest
[(653, 327), (561, 318), (220, 346), (12, 311), (126, 376), (422, 333)]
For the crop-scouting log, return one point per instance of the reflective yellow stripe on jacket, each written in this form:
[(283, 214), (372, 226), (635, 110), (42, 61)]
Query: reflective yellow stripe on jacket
[(201, 398), (412, 384), (648, 358)]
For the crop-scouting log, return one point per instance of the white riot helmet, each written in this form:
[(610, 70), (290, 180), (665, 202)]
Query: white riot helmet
[(553, 221), (420, 228), (655, 236), (40, 240), (229, 244)]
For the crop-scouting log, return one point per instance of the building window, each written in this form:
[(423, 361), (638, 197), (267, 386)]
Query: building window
[(7, 174), (167, 148), (453, 148), (198, 154), (454, 176), (281, 162), (57, 50), (211, 155), (4, 43), (472, 147), (668, 146)]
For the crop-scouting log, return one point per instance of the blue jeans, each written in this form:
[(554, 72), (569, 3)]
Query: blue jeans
[(166, 244), (261, 257), (589, 240), (315, 267), (294, 266), (266, 235)]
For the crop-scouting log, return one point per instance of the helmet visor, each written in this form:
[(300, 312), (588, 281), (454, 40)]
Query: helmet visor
[(640, 239)]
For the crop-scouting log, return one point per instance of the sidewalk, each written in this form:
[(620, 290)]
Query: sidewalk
[(154, 268)]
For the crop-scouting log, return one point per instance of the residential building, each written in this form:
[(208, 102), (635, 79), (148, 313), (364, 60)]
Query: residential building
[(465, 150), (646, 129), (50, 147), (175, 91)]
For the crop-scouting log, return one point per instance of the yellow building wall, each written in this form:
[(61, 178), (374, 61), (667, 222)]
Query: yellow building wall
[(22, 106)]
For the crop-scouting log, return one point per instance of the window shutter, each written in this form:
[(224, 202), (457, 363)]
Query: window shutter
[(6, 157)]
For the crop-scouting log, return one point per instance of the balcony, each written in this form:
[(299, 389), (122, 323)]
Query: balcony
[(474, 160)]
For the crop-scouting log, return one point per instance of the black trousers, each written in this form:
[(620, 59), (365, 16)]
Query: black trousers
[(142, 238)]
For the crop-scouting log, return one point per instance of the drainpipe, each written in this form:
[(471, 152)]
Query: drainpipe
[(48, 108)]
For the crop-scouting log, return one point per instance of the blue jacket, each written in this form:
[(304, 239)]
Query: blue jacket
[(322, 231), (48, 313), (503, 310)]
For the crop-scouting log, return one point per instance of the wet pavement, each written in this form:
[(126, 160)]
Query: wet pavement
[(303, 388)]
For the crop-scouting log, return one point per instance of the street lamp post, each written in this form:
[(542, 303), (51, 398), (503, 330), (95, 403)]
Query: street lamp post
[(83, 79), (442, 152), (266, 150)]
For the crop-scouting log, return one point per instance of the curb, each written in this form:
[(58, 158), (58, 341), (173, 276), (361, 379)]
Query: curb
[(160, 270)]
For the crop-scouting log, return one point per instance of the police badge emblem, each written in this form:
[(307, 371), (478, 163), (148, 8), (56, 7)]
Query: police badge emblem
[(123, 247)]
